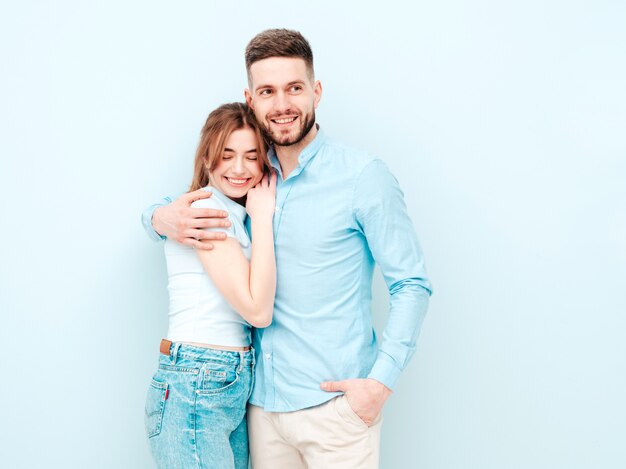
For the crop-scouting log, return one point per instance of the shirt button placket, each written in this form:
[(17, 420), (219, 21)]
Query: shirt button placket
[(268, 346)]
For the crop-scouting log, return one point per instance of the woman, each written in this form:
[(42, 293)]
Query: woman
[(195, 409)]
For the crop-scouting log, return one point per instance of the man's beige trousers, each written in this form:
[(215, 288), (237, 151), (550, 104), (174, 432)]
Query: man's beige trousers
[(327, 436)]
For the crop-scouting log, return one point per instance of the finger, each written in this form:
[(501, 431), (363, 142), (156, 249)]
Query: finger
[(197, 195), (194, 243), (334, 386), (201, 223), (203, 234), (265, 181), (207, 213), (273, 179)]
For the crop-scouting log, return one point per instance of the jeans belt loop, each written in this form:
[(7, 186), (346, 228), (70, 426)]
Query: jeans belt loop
[(241, 359), (174, 354)]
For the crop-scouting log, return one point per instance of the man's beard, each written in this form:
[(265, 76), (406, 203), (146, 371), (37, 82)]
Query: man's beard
[(286, 141)]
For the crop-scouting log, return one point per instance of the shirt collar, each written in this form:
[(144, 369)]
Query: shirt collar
[(305, 156), (232, 207)]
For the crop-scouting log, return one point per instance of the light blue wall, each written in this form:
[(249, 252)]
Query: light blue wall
[(504, 123)]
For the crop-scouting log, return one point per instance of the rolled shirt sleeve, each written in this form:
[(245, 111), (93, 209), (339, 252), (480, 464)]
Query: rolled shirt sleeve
[(146, 219)]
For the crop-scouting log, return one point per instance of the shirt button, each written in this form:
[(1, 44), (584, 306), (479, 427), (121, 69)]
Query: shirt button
[(277, 209), (267, 356)]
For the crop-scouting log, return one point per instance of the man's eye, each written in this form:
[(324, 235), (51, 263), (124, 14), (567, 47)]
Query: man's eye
[(296, 88), (265, 92)]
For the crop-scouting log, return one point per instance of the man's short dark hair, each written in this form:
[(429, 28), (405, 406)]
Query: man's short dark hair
[(279, 43)]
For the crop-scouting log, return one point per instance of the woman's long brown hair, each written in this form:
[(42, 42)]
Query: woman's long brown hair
[(222, 122)]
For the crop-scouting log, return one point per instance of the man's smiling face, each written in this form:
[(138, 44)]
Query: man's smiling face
[(284, 97)]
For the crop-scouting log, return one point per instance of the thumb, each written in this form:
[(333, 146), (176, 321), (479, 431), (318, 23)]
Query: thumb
[(334, 386)]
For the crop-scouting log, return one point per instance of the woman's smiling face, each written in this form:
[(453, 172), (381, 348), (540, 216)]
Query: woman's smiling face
[(238, 168)]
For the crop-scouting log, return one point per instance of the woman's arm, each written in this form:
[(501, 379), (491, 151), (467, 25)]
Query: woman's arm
[(249, 287)]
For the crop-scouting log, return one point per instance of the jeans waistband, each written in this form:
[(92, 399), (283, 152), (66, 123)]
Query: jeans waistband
[(180, 351)]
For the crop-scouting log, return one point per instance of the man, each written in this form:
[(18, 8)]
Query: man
[(321, 376)]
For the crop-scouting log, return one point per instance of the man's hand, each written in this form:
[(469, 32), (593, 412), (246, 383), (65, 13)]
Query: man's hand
[(365, 396), (182, 223)]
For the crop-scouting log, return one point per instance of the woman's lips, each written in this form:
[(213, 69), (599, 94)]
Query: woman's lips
[(237, 182)]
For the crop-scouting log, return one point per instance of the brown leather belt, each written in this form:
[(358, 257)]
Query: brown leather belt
[(167, 344)]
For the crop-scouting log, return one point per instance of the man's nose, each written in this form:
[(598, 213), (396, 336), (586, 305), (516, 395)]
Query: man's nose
[(281, 101)]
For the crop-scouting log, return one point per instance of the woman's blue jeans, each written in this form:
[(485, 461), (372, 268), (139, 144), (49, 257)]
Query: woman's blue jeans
[(196, 408)]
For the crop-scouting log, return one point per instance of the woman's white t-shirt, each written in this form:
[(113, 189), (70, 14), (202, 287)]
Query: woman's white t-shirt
[(198, 312)]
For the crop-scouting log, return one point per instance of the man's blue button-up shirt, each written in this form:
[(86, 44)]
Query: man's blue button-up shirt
[(337, 214)]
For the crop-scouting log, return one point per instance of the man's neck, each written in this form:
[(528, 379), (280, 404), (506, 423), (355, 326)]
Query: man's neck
[(288, 155)]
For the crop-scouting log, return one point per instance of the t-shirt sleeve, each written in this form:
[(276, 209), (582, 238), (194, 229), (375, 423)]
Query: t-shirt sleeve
[(216, 204)]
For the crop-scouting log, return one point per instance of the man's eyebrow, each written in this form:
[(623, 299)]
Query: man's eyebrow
[(291, 83)]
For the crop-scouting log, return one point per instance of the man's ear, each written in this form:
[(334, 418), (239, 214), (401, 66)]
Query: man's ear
[(317, 91), (248, 96)]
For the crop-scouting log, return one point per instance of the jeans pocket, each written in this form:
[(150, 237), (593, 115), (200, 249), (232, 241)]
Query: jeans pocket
[(217, 377), (155, 406)]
